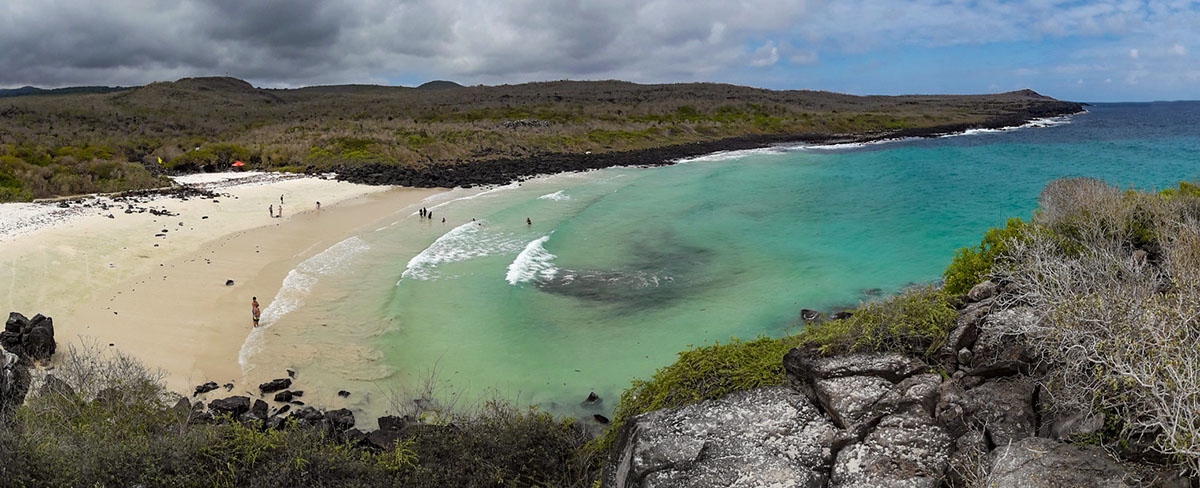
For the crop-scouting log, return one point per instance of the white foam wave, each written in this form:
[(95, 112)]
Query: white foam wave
[(741, 153), (295, 288), (534, 262), (467, 241), (557, 196), (1035, 123)]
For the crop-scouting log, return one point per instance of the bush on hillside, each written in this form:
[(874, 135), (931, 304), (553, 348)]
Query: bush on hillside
[(914, 322), (972, 265), (1114, 313), (112, 427)]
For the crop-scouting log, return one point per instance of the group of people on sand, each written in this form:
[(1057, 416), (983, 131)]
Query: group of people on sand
[(271, 209)]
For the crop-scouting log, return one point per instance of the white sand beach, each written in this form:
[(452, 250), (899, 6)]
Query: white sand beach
[(154, 286)]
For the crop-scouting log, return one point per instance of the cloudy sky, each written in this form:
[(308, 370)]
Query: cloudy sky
[(1080, 50)]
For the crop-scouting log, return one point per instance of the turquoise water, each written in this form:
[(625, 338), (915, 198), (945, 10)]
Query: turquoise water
[(622, 268)]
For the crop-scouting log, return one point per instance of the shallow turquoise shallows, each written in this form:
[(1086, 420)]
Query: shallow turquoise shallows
[(621, 269)]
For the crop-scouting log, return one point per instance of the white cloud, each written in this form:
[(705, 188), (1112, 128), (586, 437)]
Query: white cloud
[(765, 55), (1178, 50), (1133, 54)]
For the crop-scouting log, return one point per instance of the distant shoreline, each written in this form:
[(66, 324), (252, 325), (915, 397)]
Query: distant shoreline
[(509, 170)]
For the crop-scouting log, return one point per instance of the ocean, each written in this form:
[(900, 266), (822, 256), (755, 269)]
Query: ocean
[(617, 270)]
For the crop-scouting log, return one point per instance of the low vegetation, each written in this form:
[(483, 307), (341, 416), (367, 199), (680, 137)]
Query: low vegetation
[(204, 124), (109, 427), (1109, 284)]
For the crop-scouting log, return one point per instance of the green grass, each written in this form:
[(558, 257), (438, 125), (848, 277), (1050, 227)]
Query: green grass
[(915, 322)]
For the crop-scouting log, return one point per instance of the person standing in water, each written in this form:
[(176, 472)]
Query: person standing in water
[(254, 312), (528, 222)]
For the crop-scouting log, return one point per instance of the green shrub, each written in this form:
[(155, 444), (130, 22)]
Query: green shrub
[(972, 265), (914, 322)]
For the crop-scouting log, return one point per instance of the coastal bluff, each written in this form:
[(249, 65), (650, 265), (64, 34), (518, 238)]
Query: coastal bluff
[(975, 416)]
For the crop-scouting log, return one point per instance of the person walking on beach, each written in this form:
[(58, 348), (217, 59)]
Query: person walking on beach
[(318, 206), (280, 200), (254, 312), (271, 210), (280, 211)]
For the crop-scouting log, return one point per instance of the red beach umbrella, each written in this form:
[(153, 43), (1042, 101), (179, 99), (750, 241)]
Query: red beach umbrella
[(238, 163)]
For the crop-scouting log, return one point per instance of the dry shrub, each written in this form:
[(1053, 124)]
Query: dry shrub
[(1112, 280)]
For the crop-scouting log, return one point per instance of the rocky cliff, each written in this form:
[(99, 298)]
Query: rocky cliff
[(973, 415)]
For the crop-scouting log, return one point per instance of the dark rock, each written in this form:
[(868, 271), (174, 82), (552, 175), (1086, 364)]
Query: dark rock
[(205, 388), (343, 393), (1002, 409), (1066, 425), (283, 396), (592, 400), (764, 437), (291, 374), (308, 416), (297, 393), (600, 419), (355, 437), (906, 448), (16, 323), (233, 406), (259, 410), (393, 423), (1035, 462), (843, 315), (340, 420), (296, 402), (227, 386), (809, 315), (275, 385), (282, 410), (31, 338), (982, 291), (228, 282)]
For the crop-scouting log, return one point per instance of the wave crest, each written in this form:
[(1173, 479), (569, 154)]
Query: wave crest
[(534, 263)]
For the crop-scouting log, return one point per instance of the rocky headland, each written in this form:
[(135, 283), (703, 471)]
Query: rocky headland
[(977, 415)]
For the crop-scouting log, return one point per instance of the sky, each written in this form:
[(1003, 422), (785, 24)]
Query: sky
[(1085, 51)]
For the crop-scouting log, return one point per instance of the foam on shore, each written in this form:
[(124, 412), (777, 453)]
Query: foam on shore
[(296, 287), (467, 241)]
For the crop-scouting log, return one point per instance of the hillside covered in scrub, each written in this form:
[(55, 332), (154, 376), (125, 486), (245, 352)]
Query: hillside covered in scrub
[(63, 144), (1060, 351)]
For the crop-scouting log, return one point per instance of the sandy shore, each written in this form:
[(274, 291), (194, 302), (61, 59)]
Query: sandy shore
[(155, 286)]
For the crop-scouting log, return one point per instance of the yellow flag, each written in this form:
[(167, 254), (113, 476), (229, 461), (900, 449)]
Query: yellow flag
[(160, 160)]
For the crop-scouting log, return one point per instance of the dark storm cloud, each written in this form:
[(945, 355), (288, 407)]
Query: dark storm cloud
[(303, 42)]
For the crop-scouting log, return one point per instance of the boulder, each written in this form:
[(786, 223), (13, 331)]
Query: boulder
[(764, 437), (1066, 425), (343, 393), (810, 315), (1002, 409), (592, 400), (284, 396), (805, 366), (205, 388), (259, 410), (982, 291), (849, 399), (275, 385), (308, 415), (1037, 462), (391, 429), (906, 448), (32, 338), (233, 406), (340, 420)]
